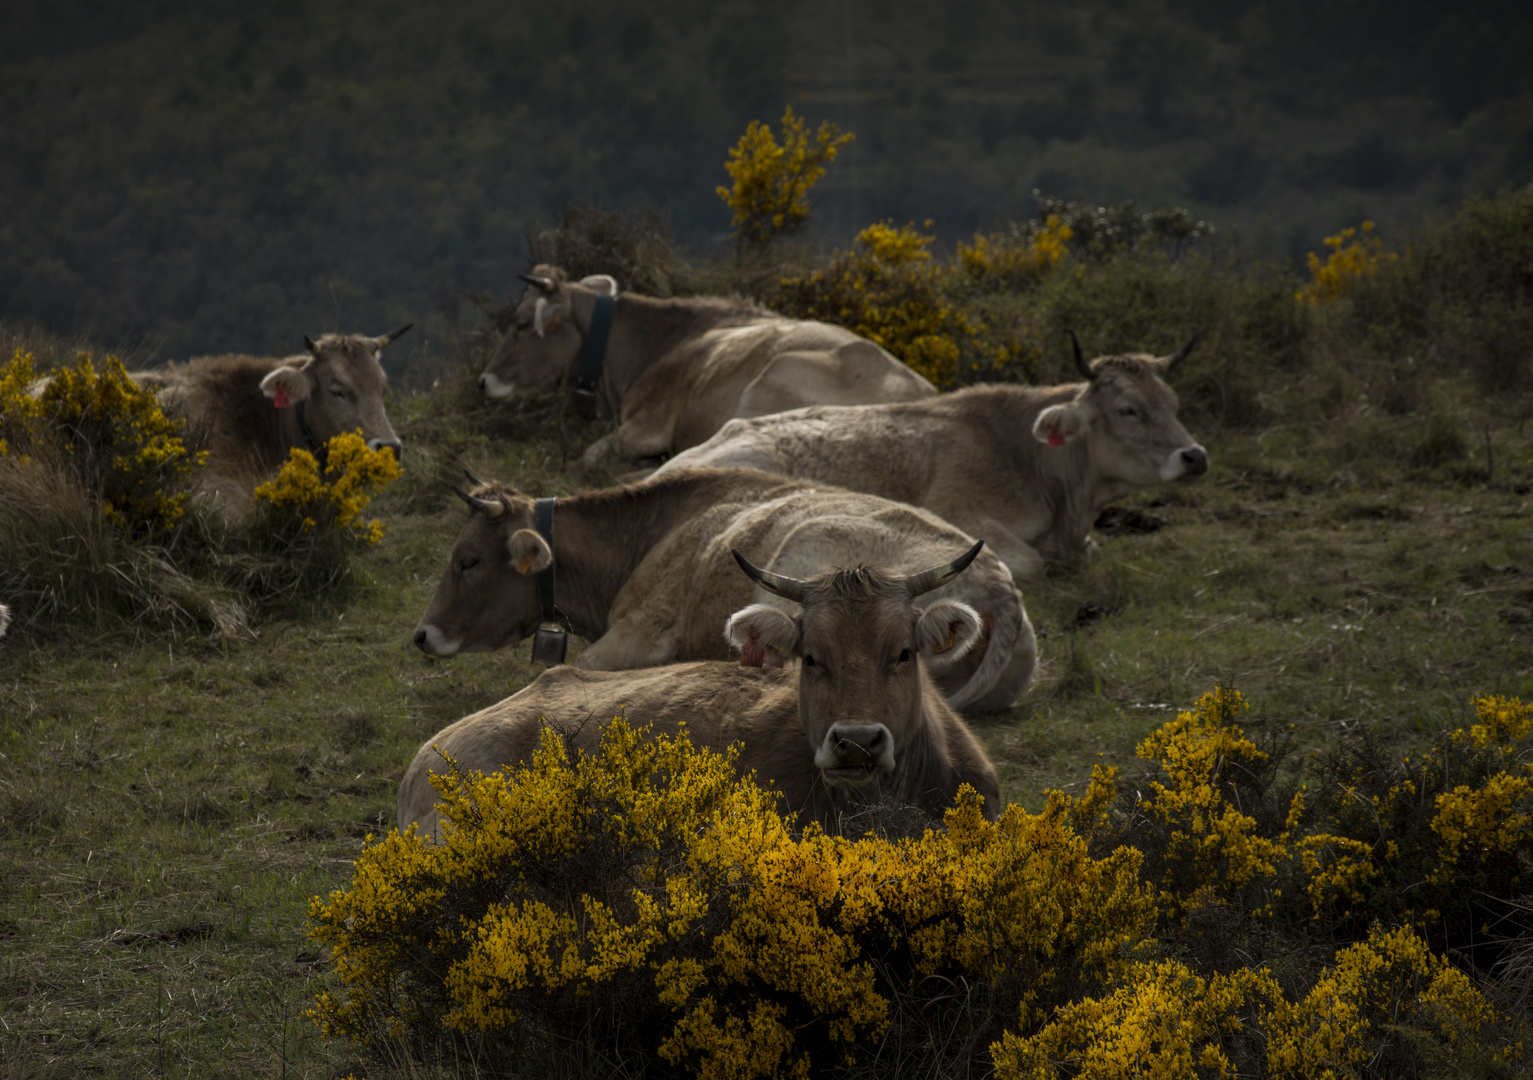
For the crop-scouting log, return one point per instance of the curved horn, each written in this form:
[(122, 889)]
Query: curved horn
[(1169, 362), (490, 508), (927, 580), (384, 339), (786, 587), (546, 284), (472, 479), (1080, 358), (307, 344)]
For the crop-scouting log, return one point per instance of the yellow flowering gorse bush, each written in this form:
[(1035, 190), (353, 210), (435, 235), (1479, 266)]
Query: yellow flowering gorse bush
[(1356, 255), (353, 475), (1165, 1022), (648, 879), (889, 290), (770, 193), (644, 888), (1019, 257), (111, 432)]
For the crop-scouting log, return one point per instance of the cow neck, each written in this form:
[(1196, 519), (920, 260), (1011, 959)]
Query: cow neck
[(644, 332), (601, 537)]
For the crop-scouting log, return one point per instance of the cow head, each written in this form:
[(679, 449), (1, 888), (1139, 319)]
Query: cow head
[(1127, 416), (341, 386), (542, 349), (862, 643), (487, 597)]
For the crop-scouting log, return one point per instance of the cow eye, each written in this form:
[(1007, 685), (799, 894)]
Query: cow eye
[(468, 562), (904, 657), (1127, 410), (808, 660)]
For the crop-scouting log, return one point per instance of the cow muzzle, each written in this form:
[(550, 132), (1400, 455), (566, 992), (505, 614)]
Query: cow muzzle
[(1188, 464), (853, 754), (392, 444), (430, 640), (494, 389)]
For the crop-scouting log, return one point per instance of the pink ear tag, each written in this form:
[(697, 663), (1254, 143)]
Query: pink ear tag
[(1055, 438), (280, 398), (753, 652)]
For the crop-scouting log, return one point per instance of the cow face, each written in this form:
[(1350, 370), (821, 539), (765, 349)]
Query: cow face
[(487, 597), (341, 387), (542, 350), (861, 643), (1126, 417)]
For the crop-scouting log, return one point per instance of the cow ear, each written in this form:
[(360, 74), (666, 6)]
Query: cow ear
[(287, 385), (1059, 425), (604, 284), (545, 315), (530, 553), (945, 632), (762, 626)]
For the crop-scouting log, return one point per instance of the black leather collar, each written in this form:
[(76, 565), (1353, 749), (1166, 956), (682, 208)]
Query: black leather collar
[(543, 520), (593, 352)]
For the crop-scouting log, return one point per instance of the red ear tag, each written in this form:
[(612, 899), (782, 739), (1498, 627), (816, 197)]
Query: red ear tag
[(280, 398), (753, 652), (1055, 438)]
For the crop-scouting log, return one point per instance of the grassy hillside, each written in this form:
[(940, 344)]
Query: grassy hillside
[(204, 178), (1356, 563)]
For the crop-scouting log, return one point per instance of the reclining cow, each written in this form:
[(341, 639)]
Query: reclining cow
[(644, 571), (1027, 468), (870, 726), (250, 411), (673, 371)]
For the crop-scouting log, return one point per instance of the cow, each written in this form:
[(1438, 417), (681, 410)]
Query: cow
[(644, 571), (871, 726), (250, 411), (1027, 468), (673, 371)]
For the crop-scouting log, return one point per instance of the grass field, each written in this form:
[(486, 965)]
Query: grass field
[(169, 805)]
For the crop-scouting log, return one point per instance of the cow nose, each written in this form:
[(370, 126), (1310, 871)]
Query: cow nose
[(861, 747), (483, 384), (393, 444), (1196, 461), (420, 637)]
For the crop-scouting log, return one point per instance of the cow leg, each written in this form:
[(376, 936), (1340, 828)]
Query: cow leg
[(1023, 560), (634, 642)]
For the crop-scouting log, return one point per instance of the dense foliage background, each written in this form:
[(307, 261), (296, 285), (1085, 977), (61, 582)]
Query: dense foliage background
[(201, 177)]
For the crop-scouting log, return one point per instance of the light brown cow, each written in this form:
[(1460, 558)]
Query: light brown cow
[(250, 411), (644, 571), (870, 724), (675, 370), (1027, 468)]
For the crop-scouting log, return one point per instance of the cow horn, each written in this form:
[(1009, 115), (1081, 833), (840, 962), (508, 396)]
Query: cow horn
[(546, 284), (1080, 358), (927, 580), (786, 587), (307, 344), (384, 339), (490, 508), (1169, 362), (472, 479)]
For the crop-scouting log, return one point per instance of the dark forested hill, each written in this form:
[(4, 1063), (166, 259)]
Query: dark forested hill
[(217, 175)]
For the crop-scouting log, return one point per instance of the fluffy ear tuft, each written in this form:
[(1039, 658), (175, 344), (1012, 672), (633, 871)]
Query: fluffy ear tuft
[(545, 316), (764, 627), (605, 284), (287, 385), (945, 632), (1059, 425), (529, 552)]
